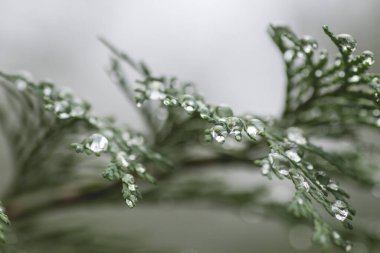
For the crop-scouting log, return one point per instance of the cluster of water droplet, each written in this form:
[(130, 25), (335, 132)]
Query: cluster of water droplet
[(61, 102), (228, 124), (127, 149), (130, 192), (222, 117)]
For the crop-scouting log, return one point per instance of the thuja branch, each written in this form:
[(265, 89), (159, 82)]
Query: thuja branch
[(291, 156), (322, 97)]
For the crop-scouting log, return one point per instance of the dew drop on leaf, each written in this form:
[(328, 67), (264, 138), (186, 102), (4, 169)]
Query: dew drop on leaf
[(369, 58), (346, 42), (318, 73), (354, 79), (254, 127), (155, 90), (129, 203), (219, 133), (97, 143), (284, 171), (128, 179), (235, 127), (333, 185), (339, 208), (132, 187), (348, 247), (170, 101), (78, 109), (21, 84), (188, 103), (140, 168), (293, 155), (295, 135), (308, 44), (288, 55), (265, 168), (301, 183), (223, 111), (121, 159)]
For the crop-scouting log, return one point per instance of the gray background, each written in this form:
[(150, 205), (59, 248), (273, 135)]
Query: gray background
[(220, 45)]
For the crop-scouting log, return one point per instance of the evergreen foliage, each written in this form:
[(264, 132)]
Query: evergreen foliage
[(325, 98)]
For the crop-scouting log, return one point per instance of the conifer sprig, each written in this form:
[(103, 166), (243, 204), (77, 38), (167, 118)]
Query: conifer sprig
[(311, 78), (323, 98)]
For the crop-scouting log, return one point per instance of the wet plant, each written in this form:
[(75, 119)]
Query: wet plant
[(50, 131)]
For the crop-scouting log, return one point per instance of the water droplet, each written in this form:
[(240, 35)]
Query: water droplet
[(354, 79), (223, 111), (170, 101), (336, 235), (275, 159), (323, 55), (128, 179), (189, 103), (61, 109), (348, 247), (121, 159), (78, 109), (309, 166), (140, 168), (265, 168), (284, 171), (288, 55), (301, 183), (155, 90), (204, 111), (333, 185), (219, 133), (254, 127), (339, 208), (295, 135), (46, 88), (235, 127), (369, 58), (322, 178), (318, 73), (132, 187), (97, 143), (130, 203), (346, 42), (300, 59), (308, 44), (133, 157), (136, 140), (293, 155), (21, 84)]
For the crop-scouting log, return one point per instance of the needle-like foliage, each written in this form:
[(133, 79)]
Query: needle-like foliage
[(324, 98)]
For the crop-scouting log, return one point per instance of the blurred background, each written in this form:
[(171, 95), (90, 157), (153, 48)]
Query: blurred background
[(222, 46)]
